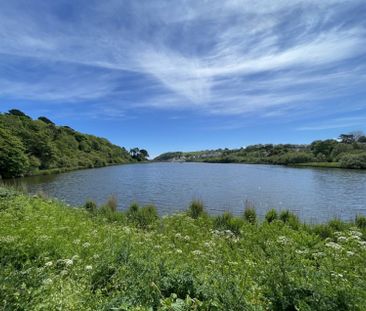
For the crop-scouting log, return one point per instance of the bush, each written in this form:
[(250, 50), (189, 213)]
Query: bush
[(290, 218), (90, 206), (250, 214), (142, 217), (271, 215), (296, 157), (226, 221), (196, 209), (360, 221), (357, 161)]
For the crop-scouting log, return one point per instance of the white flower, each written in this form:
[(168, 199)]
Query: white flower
[(48, 264), (319, 254), (283, 240), (86, 245), (179, 251), (333, 245), (96, 256), (233, 263), (187, 238), (356, 233), (196, 252), (178, 235), (77, 241), (342, 239), (349, 253), (68, 262), (47, 281), (63, 272), (88, 268)]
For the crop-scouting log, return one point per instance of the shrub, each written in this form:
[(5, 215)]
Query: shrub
[(360, 221), (290, 219), (353, 161), (323, 231), (271, 215), (250, 214), (337, 225), (142, 217), (226, 221), (196, 209), (90, 206)]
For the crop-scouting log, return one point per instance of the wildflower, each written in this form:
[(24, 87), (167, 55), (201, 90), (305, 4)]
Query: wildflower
[(75, 257), (342, 239), (356, 233), (179, 251), (207, 244), (76, 242), (157, 246), (283, 240), (48, 264), (96, 256), (196, 252), (187, 238), (47, 281), (318, 254), (337, 275), (88, 268), (178, 235), (68, 262), (349, 253), (333, 245), (86, 245), (233, 263), (63, 272), (127, 229)]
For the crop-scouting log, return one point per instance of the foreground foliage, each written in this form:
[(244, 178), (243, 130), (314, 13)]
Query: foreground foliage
[(53, 257)]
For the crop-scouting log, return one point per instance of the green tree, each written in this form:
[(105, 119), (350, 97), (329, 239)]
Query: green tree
[(144, 154), (13, 160), (46, 120), (324, 147)]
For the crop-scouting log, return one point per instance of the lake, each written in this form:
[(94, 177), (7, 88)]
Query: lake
[(314, 194)]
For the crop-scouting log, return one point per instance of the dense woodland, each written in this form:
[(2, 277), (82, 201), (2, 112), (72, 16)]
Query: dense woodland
[(32, 146), (349, 151)]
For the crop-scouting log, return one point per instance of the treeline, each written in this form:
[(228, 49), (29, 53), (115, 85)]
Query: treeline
[(348, 151), (29, 146)]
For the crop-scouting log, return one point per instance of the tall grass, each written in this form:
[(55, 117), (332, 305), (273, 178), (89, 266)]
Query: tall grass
[(196, 209)]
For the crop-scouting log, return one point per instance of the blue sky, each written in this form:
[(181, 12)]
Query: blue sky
[(188, 75)]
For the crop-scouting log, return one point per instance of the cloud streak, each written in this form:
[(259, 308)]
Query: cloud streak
[(231, 58)]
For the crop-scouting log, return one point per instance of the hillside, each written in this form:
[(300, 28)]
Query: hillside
[(347, 152), (32, 146)]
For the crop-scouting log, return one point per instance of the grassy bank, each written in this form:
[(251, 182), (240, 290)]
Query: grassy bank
[(53, 257), (319, 164)]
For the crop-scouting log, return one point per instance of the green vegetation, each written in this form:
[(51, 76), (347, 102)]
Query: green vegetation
[(29, 147), (53, 257), (349, 151)]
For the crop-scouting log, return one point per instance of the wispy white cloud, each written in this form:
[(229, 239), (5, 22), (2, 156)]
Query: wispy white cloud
[(349, 122), (230, 57)]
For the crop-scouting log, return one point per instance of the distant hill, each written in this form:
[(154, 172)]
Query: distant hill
[(349, 151), (32, 146)]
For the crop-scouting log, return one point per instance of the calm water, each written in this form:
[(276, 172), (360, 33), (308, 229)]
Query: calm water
[(314, 194)]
